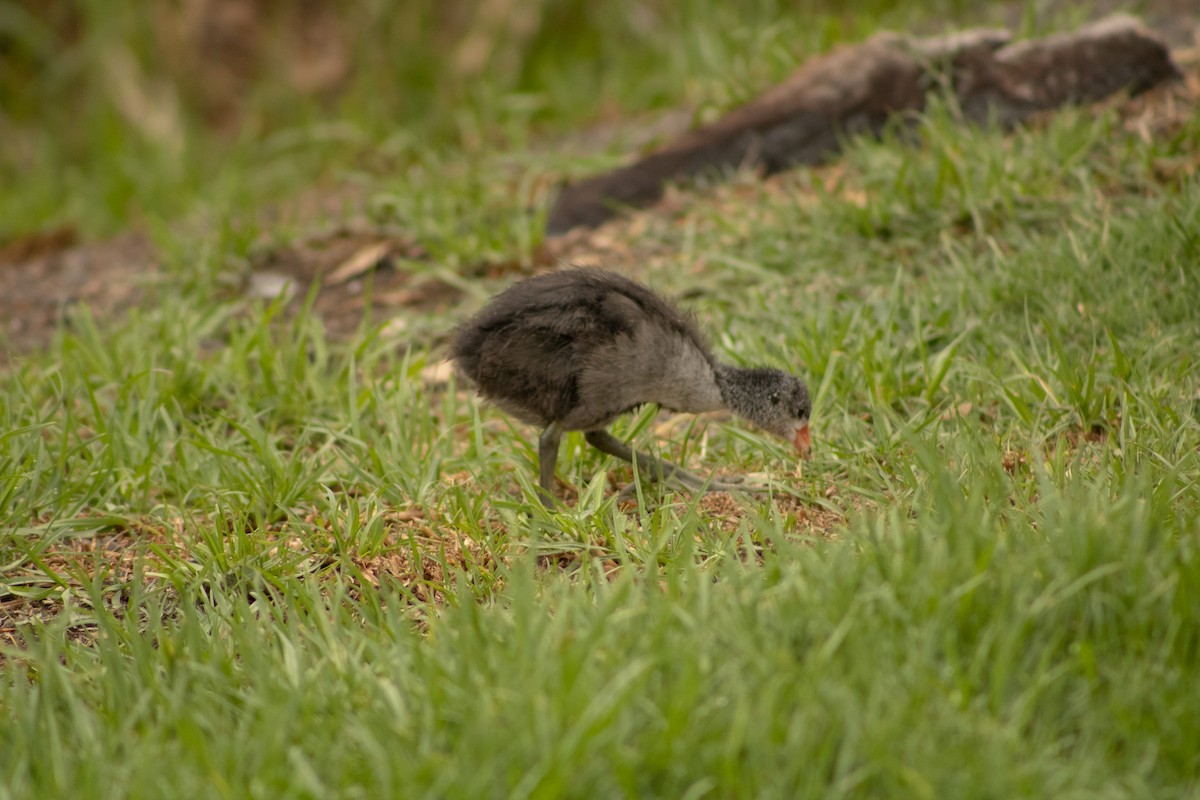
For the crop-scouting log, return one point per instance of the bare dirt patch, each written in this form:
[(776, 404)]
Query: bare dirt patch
[(42, 277), (358, 272)]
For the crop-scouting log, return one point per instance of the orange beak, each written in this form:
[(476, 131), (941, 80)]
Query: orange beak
[(803, 441)]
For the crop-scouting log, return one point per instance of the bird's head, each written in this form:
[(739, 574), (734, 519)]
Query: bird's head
[(772, 399)]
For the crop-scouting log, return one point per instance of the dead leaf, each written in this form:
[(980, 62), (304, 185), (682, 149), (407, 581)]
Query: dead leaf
[(437, 374), (37, 245), (270, 285), (960, 410), (363, 260), (393, 327)]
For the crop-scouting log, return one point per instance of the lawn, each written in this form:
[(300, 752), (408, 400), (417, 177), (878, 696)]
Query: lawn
[(256, 546)]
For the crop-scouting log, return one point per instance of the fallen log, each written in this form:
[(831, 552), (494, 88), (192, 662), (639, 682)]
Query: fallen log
[(859, 89)]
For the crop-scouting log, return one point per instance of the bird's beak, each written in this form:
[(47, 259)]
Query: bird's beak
[(803, 441)]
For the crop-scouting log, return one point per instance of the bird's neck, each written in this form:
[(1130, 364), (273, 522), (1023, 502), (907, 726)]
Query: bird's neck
[(732, 385)]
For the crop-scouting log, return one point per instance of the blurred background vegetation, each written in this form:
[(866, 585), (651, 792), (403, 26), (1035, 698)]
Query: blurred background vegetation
[(115, 112)]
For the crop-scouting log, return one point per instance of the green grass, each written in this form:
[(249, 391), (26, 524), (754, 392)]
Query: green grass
[(245, 559)]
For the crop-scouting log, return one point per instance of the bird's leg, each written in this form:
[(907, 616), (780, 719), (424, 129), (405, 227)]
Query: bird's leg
[(653, 468), (657, 469), (547, 457)]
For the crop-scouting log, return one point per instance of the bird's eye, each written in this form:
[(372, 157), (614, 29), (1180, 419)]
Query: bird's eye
[(774, 399)]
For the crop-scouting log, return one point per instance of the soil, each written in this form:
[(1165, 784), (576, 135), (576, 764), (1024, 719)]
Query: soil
[(43, 277), (344, 262)]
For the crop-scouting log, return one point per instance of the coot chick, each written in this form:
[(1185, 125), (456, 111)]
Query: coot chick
[(573, 350)]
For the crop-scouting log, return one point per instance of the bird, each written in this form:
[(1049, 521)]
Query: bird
[(574, 349)]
